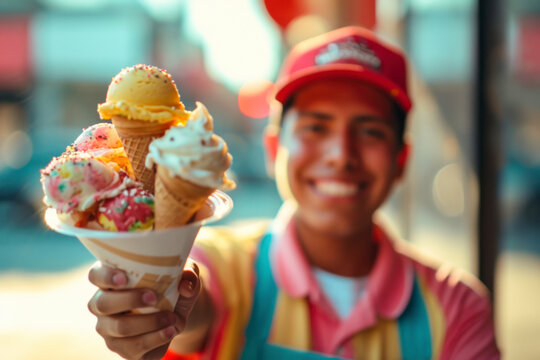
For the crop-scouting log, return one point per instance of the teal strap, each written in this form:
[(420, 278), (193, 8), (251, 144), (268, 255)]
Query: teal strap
[(413, 325), (264, 302), (273, 352)]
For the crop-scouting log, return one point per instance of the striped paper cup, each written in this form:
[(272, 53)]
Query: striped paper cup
[(151, 259)]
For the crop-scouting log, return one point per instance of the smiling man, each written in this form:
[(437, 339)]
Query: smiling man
[(323, 280), (341, 144)]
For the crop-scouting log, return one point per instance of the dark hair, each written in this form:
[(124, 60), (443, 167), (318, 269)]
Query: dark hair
[(286, 106), (401, 117)]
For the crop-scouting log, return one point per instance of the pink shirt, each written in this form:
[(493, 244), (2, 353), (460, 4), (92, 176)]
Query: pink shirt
[(462, 327)]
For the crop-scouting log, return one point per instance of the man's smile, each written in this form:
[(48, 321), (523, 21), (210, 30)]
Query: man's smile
[(338, 188)]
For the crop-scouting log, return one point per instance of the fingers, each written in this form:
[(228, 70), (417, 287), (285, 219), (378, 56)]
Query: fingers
[(142, 346), (106, 277), (156, 353), (189, 285), (105, 302), (121, 326), (115, 301), (133, 336), (138, 336)]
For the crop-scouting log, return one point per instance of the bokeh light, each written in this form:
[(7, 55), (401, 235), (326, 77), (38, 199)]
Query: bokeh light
[(448, 191), (16, 150), (304, 27), (285, 11), (239, 44), (253, 98)]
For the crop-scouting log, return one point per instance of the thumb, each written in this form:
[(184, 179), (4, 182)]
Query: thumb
[(189, 289)]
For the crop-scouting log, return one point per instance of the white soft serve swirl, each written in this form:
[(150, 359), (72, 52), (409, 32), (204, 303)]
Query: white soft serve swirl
[(193, 152)]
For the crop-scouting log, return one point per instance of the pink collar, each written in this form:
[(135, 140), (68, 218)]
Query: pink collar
[(389, 283)]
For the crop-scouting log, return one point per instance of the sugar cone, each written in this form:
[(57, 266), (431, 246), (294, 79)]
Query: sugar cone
[(176, 199), (151, 259), (136, 136)]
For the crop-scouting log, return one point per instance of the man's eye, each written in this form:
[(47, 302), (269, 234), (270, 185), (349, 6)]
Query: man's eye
[(316, 128), (373, 132), (312, 128)]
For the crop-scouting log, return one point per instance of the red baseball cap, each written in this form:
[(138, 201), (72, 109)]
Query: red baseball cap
[(351, 52)]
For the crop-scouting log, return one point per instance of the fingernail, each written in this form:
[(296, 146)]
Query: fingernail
[(196, 268), (186, 288), (170, 332), (119, 279), (149, 298)]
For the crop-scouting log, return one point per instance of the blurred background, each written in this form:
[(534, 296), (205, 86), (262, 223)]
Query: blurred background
[(471, 196)]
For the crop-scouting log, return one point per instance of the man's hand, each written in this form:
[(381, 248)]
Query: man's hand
[(138, 336)]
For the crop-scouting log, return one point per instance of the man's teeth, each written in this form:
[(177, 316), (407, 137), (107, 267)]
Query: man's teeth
[(334, 188)]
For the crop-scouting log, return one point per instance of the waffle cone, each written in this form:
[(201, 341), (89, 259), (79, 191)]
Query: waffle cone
[(176, 199), (136, 136)]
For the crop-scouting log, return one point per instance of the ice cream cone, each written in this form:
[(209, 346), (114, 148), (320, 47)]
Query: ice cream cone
[(176, 199), (152, 259), (136, 135)]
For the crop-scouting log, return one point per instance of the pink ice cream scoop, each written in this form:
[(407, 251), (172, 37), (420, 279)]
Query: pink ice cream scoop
[(98, 136), (131, 210), (75, 182)]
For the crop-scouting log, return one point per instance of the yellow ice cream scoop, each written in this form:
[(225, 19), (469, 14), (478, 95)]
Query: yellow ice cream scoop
[(144, 93), (142, 103)]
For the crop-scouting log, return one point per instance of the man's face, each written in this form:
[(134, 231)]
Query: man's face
[(341, 149)]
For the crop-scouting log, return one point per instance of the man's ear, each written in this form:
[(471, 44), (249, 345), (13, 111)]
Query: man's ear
[(402, 160), (271, 145)]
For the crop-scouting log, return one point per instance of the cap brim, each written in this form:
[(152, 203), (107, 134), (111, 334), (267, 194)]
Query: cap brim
[(288, 86)]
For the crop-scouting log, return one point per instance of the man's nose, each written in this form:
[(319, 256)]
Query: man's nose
[(342, 150)]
